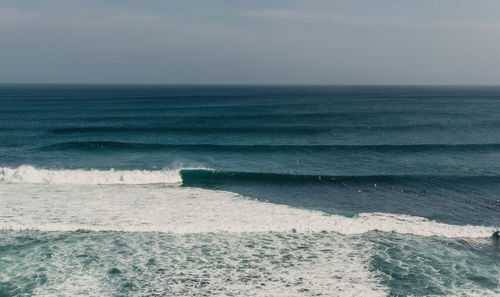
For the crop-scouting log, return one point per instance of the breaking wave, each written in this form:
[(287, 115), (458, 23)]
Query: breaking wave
[(184, 210), (30, 174), (206, 176)]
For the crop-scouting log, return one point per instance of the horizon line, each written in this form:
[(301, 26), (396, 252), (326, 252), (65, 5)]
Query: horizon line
[(241, 84)]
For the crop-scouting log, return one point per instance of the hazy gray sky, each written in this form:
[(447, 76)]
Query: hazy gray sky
[(270, 42)]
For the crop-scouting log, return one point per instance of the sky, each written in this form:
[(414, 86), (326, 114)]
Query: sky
[(344, 42)]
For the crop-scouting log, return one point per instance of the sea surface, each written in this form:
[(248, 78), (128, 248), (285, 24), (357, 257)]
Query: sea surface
[(249, 191)]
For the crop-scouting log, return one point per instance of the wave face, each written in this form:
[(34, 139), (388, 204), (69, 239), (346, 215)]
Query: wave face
[(195, 176)]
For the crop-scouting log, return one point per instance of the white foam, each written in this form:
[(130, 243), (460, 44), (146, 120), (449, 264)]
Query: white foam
[(188, 210), (238, 265), (30, 174)]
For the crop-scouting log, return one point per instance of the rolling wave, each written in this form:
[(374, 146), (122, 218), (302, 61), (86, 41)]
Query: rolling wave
[(206, 176), (410, 148), (218, 125), (177, 129)]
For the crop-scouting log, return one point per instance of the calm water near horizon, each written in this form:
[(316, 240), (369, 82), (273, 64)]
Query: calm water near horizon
[(249, 191)]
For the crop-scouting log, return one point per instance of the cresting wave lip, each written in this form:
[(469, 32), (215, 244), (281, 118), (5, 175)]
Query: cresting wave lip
[(30, 174)]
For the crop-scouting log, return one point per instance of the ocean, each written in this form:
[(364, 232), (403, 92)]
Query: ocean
[(123, 190)]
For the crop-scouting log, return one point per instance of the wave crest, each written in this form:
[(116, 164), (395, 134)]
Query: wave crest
[(30, 174), (199, 177)]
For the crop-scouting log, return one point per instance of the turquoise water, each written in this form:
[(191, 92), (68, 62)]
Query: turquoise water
[(249, 191)]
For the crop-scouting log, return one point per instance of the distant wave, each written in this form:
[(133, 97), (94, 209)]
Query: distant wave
[(162, 109), (104, 145), (410, 148), (177, 129), (218, 125), (287, 110)]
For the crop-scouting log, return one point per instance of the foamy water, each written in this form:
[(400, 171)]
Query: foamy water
[(259, 248), (171, 209), (30, 174), (253, 243), (205, 264)]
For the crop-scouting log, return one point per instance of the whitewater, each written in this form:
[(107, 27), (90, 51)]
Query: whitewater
[(135, 201)]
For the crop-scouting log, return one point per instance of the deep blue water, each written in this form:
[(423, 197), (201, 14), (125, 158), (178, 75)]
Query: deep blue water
[(427, 152)]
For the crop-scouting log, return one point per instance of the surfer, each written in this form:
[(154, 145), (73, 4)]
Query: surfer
[(496, 235)]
